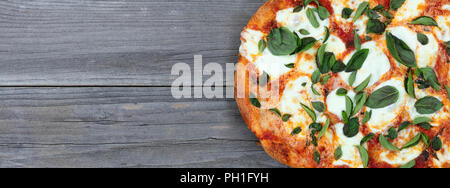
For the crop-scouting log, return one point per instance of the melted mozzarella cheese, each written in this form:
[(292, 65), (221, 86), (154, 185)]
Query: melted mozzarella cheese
[(426, 55), (335, 45), (404, 156), (350, 154), (249, 44), (298, 20), (376, 64), (382, 118), (410, 10), (339, 5), (293, 95), (420, 93), (361, 25), (336, 104), (307, 61), (443, 31)]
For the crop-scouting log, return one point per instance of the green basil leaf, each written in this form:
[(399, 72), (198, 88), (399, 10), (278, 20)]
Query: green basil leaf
[(312, 18), (325, 79), (282, 42), (319, 106), (422, 38), (296, 131), (436, 144), (383, 97), (375, 26), (426, 140), (345, 117), (387, 15), (286, 117), (428, 105), (307, 43), (420, 120), (262, 45), (346, 13), (352, 78), (392, 133), (315, 78), (276, 111), (430, 76), (317, 157), (323, 12), (367, 117), (341, 92), (379, 8), (314, 90), (400, 51), (426, 125), (363, 85), (324, 129), (254, 100), (327, 61), (310, 112), (348, 106), (367, 38), (396, 4), (361, 9), (291, 65), (304, 84), (360, 104), (264, 79), (339, 66), (424, 20), (357, 41), (357, 60), (304, 32), (351, 128), (409, 85), (306, 2), (410, 164), (386, 144), (320, 56), (327, 34), (404, 125), (314, 139), (448, 91), (372, 14), (338, 153), (364, 155), (298, 8), (413, 142), (367, 138)]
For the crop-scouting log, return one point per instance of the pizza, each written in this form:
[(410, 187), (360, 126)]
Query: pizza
[(348, 83)]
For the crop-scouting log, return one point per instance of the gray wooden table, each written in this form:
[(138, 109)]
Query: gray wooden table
[(86, 83)]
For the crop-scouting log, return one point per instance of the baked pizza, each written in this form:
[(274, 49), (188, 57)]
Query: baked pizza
[(348, 83)]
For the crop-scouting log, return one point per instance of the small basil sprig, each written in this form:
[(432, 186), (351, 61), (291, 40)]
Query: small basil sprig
[(357, 41), (317, 157), (375, 26), (404, 125), (409, 85), (363, 85), (361, 9), (276, 111), (352, 78), (323, 12), (315, 78), (420, 120), (327, 34), (312, 18), (298, 8), (348, 106), (413, 142), (290, 65), (400, 51), (324, 129), (383, 97), (386, 144), (281, 41), (426, 140), (410, 164), (396, 4), (310, 112), (424, 20), (392, 133), (364, 155), (262, 45), (422, 38), (304, 32), (360, 104), (428, 105), (367, 138), (448, 91), (319, 106), (306, 44), (357, 60), (296, 131), (436, 144), (254, 100), (341, 92), (346, 13), (351, 128), (286, 117), (430, 76), (338, 153), (338, 66), (367, 117)]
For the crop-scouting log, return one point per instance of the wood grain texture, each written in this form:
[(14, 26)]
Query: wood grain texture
[(115, 42), (122, 127)]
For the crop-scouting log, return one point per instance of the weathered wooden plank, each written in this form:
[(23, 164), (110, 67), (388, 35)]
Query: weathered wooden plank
[(115, 42), (122, 127)]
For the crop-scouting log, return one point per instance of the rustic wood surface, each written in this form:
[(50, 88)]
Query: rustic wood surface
[(85, 83)]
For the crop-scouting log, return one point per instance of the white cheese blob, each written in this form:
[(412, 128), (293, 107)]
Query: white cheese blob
[(443, 31), (410, 10), (336, 104), (383, 118), (294, 94), (249, 43), (398, 158), (350, 154), (307, 61), (298, 20), (376, 64), (335, 45), (426, 55)]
